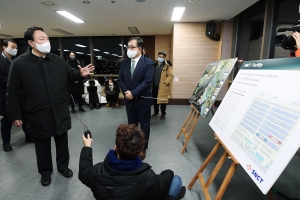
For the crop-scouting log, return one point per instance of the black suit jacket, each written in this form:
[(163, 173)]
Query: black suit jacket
[(139, 84), (4, 70)]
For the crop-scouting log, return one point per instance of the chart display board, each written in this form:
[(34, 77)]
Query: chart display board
[(259, 118), (210, 84)]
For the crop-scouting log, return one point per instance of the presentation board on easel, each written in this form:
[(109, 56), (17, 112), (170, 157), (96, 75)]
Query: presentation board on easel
[(210, 85), (259, 118)]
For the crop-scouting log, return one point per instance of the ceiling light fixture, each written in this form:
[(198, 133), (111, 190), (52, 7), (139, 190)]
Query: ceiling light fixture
[(70, 16), (96, 49), (177, 13), (79, 45), (106, 52), (48, 3), (4, 35), (120, 45), (66, 50), (61, 31), (79, 52), (133, 30)]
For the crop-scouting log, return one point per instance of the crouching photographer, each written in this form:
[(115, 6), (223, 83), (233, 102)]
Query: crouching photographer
[(122, 175)]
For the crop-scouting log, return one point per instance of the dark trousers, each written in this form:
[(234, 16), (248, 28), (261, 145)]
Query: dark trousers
[(93, 98), (163, 106), (142, 116), (44, 156), (77, 99), (6, 126), (112, 98)]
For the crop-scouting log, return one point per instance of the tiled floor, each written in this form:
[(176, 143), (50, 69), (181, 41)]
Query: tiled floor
[(19, 178)]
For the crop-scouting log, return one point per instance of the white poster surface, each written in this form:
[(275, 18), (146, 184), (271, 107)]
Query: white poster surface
[(258, 119)]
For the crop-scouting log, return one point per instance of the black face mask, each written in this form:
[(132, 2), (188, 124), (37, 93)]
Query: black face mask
[(72, 58), (92, 82)]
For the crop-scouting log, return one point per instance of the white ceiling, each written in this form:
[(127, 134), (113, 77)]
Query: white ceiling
[(105, 18)]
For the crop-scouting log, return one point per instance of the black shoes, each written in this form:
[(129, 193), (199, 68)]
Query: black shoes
[(154, 115), (7, 147), (91, 107), (182, 192), (81, 109), (162, 116), (72, 110), (46, 180), (97, 106), (67, 173)]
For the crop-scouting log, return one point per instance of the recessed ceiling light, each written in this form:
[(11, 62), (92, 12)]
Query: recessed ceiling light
[(96, 49), (79, 52), (106, 52), (70, 16), (133, 30), (66, 50), (48, 3), (88, 54), (61, 31), (79, 45), (120, 56), (177, 13), (120, 45)]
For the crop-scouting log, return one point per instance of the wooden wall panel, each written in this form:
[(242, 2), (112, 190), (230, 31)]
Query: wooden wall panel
[(192, 51), (226, 45), (162, 43)]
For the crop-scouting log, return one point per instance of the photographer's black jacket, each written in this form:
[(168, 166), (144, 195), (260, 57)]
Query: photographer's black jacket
[(107, 183), (44, 86)]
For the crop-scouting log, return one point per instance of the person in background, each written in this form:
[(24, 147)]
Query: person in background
[(122, 175), (112, 98), (10, 50), (92, 93), (162, 84), (144, 53), (135, 78), (41, 78), (75, 87)]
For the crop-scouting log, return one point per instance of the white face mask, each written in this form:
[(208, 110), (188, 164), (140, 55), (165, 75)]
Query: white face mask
[(110, 83), (131, 54), (160, 59), (12, 52), (44, 48)]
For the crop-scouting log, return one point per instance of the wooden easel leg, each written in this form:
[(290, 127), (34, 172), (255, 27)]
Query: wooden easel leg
[(190, 132), (270, 195), (226, 180), (182, 128), (205, 163), (216, 169), (212, 112)]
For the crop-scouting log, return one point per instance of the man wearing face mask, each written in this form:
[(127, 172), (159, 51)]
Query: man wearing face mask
[(135, 78), (162, 84), (10, 50), (43, 79)]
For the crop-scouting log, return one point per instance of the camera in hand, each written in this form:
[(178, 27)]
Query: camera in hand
[(86, 133), (286, 41)]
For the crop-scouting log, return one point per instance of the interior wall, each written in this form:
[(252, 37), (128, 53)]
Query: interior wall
[(163, 43), (1, 45), (192, 51)]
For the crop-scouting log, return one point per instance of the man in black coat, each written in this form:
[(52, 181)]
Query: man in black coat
[(43, 79), (10, 50)]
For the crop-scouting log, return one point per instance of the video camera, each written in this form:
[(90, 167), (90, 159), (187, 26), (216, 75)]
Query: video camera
[(287, 41)]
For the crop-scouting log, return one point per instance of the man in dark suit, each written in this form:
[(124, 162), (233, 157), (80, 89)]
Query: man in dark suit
[(10, 50), (135, 78)]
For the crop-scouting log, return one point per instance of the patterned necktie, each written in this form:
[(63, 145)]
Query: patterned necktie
[(132, 67)]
